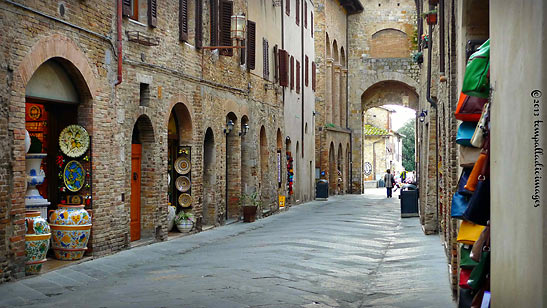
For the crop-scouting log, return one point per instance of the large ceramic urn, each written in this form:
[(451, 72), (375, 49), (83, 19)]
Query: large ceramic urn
[(71, 227), (35, 176), (36, 242)]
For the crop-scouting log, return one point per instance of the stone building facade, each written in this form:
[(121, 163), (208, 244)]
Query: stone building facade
[(164, 93)]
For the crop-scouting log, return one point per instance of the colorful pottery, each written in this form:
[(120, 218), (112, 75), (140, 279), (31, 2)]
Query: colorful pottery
[(36, 242), (74, 176), (182, 183), (171, 214), (185, 200), (185, 225), (74, 141), (35, 176), (182, 165), (71, 228)]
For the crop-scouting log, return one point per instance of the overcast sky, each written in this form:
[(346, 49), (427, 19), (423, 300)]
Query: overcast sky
[(400, 116)]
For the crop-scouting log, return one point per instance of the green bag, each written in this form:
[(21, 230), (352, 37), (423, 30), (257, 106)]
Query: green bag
[(465, 259), (478, 275), (476, 81)]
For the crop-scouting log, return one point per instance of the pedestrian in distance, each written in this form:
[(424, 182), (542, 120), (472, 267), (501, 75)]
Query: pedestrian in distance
[(389, 180)]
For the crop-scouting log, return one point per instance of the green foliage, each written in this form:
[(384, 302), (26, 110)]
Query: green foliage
[(182, 215), (409, 130), (250, 199)]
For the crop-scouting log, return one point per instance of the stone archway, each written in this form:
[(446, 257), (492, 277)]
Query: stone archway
[(209, 179)]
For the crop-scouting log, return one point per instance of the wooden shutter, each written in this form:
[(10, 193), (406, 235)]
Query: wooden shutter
[(183, 20), (305, 14), (288, 7), (292, 72), (199, 23), (225, 20), (126, 8), (152, 13), (297, 12), (311, 23), (266, 58), (306, 73), (251, 44), (276, 63), (283, 68), (243, 53), (313, 68), (297, 76), (213, 13)]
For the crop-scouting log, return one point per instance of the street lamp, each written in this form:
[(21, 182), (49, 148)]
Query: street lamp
[(423, 114), (229, 127), (244, 130), (237, 27)]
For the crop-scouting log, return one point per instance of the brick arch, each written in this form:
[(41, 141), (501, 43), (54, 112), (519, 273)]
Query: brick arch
[(391, 92), (59, 46), (389, 43), (179, 98)]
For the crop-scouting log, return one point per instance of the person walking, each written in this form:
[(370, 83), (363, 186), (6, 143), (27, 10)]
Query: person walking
[(389, 180)]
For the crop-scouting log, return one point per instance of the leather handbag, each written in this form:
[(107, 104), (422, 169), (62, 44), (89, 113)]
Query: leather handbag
[(484, 240), (476, 172), (482, 129), (465, 132), (468, 156), (476, 80), (478, 208), (479, 272), (469, 108), (465, 259), (459, 204), (464, 277), (469, 233)]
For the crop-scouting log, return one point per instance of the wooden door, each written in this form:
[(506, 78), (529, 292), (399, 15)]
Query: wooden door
[(135, 225)]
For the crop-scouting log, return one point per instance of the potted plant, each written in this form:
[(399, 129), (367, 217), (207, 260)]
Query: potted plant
[(184, 221), (431, 17), (418, 57), (250, 204)]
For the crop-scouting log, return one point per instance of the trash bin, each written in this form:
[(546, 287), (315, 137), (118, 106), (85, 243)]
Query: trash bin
[(322, 190), (409, 201)]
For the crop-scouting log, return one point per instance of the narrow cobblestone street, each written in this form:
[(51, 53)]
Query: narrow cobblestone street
[(351, 251)]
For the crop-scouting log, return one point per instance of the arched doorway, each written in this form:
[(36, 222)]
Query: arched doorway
[(297, 179), (233, 167), (332, 170), (245, 156), (209, 179), (143, 205), (290, 170), (339, 169), (263, 164), (279, 159)]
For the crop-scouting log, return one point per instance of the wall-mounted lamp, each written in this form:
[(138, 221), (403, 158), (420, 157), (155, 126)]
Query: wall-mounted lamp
[(229, 127), (244, 130), (423, 114), (238, 25)]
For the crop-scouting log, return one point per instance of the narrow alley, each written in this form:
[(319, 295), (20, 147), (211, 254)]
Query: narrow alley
[(350, 251)]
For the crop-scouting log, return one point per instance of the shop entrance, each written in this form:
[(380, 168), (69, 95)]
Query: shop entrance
[(135, 224)]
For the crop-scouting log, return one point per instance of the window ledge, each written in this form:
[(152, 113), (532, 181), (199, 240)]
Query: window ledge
[(137, 22)]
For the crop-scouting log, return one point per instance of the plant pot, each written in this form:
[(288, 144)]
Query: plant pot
[(431, 19), (185, 225), (36, 242), (71, 228), (249, 213)]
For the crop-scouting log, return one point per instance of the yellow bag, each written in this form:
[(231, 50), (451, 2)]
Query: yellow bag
[(469, 232)]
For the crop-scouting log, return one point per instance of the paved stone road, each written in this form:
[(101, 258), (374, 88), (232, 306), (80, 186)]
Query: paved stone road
[(351, 251)]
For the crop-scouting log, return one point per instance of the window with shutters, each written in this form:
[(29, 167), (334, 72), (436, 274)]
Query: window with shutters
[(292, 72), (305, 14), (265, 58), (213, 22), (283, 68), (130, 8), (152, 13), (313, 69), (311, 22), (276, 63), (288, 7), (251, 44), (183, 20), (190, 21), (297, 12), (226, 9), (141, 10), (297, 76), (306, 71)]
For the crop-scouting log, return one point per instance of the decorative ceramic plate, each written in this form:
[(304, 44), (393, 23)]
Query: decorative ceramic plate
[(74, 141), (183, 183), (185, 200), (182, 165), (74, 176)]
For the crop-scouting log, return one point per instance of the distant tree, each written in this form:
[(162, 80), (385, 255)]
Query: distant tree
[(409, 130)]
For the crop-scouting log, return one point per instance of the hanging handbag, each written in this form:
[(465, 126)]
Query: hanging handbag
[(477, 169), (479, 272), (478, 209), (464, 278), (465, 259), (482, 129), (469, 108), (468, 156), (476, 80), (460, 199), (465, 132), (484, 240), (469, 233)]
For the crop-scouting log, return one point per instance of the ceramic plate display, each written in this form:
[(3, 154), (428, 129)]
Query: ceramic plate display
[(182, 165), (74, 176), (185, 200), (74, 141), (183, 183)]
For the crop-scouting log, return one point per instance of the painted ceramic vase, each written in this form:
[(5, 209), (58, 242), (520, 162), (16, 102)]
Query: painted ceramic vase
[(35, 176), (71, 228), (36, 242), (171, 213)]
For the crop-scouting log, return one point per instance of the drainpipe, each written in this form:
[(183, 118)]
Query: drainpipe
[(441, 37), (433, 102), (350, 171), (420, 25), (302, 118), (119, 30)]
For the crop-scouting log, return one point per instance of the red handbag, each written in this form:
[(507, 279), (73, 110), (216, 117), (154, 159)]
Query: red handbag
[(464, 277), (469, 108)]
